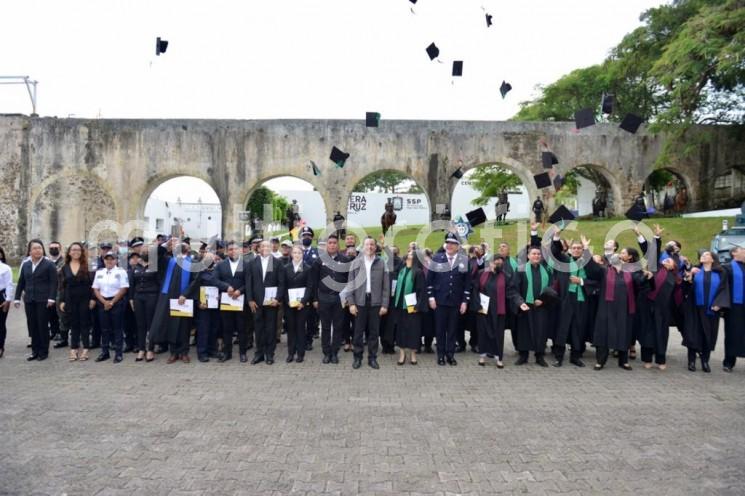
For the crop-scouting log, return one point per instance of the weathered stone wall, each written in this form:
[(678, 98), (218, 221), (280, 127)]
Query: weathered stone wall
[(61, 176)]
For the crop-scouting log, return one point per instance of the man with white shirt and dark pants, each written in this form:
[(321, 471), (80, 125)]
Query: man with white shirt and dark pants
[(264, 272), (230, 271), (37, 283), (369, 295)]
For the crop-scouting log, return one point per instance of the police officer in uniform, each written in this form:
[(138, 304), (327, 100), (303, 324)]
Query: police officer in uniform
[(329, 278), (449, 291), (310, 255), (110, 286)]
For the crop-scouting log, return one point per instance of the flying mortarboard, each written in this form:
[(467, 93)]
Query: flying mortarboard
[(160, 46), (607, 103), (433, 51), (636, 213), (457, 68), (372, 119), (631, 123), (584, 118), (549, 159), (338, 157), (542, 180), (505, 88), (476, 217), (488, 20), (315, 169), (560, 214), (457, 174)]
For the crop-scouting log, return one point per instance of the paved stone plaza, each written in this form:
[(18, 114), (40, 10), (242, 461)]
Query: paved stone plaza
[(137, 428)]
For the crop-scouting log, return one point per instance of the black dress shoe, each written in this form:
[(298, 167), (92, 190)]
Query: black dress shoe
[(521, 361), (42, 358), (118, 359), (257, 359), (576, 361), (270, 361), (557, 363), (692, 366), (326, 359), (541, 361), (357, 363), (334, 358), (373, 363), (243, 358), (300, 359), (203, 358), (441, 361), (32, 358), (102, 357), (289, 359), (224, 358), (625, 366), (727, 369), (452, 361), (61, 344), (705, 367)]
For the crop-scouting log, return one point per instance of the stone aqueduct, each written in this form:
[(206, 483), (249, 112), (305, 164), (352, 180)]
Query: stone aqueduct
[(61, 176)]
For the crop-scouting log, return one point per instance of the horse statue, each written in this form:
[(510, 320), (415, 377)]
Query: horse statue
[(388, 218), (681, 200)]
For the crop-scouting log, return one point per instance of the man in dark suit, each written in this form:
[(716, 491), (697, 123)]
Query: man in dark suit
[(37, 283), (330, 277), (231, 272), (369, 297), (449, 291), (264, 272)]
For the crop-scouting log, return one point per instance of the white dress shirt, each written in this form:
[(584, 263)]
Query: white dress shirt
[(109, 282), (233, 266), (368, 266), (264, 266), (6, 276), (297, 267)]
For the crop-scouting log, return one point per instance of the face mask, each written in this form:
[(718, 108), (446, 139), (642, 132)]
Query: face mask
[(54, 251), (307, 241)]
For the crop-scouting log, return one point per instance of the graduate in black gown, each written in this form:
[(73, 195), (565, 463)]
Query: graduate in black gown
[(617, 307), (533, 318), (580, 273), (654, 314), (177, 275), (494, 282), (706, 294), (509, 267), (408, 321), (734, 322)]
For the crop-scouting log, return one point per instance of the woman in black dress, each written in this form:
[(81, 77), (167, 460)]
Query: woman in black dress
[(295, 275), (408, 318), (77, 299), (706, 294), (494, 283)]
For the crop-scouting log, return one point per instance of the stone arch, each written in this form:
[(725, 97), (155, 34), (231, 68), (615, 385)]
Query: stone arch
[(682, 178), (66, 206), (137, 209), (612, 182), (517, 168), (419, 181)]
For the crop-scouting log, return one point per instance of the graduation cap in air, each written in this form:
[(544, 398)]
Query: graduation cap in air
[(413, 1), (584, 118), (636, 213), (338, 157), (458, 173), (160, 46), (372, 119), (488, 20), (549, 160), (457, 68), (433, 51), (558, 182), (561, 214), (607, 103), (476, 217), (542, 180), (315, 169), (505, 88), (631, 123)]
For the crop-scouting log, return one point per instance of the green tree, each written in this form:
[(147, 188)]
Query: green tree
[(264, 196), (387, 181), (492, 180)]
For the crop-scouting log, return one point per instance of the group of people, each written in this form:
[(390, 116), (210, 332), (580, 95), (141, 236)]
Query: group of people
[(370, 297)]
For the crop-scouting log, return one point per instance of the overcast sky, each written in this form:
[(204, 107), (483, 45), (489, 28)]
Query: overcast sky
[(299, 58)]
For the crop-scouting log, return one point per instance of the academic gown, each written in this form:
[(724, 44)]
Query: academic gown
[(654, 313), (533, 327), (614, 320), (164, 327), (701, 329), (491, 325), (574, 315), (734, 322), (409, 325)]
